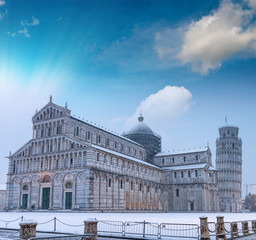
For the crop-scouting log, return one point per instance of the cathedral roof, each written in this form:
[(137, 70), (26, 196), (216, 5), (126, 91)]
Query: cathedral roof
[(140, 128), (186, 167), (124, 156), (184, 151)]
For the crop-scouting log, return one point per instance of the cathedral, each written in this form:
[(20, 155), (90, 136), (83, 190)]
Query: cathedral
[(70, 164)]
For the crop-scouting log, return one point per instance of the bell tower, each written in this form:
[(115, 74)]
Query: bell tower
[(229, 167)]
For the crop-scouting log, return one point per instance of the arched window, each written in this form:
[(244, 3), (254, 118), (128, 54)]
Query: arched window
[(42, 132), (177, 192), (14, 166), (131, 185), (140, 187), (121, 184), (49, 131), (109, 182), (98, 156), (68, 185), (46, 179), (77, 131), (59, 129)]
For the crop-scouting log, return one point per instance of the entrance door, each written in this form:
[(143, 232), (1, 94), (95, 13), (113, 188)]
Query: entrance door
[(24, 201), (191, 206), (68, 200), (46, 198)]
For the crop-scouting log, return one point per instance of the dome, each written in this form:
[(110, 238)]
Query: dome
[(140, 128)]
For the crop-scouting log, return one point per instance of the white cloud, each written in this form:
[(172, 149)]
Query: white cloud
[(2, 2), (251, 3), (214, 38), (3, 14), (161, 108), (24, 32), (25, 24), (33, 22)]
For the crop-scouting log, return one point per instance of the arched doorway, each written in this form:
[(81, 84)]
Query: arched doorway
[(46, 192), (68, 195)]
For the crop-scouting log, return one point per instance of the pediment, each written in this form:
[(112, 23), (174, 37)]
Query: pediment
[(27, 149), (50, 111), (23, 150)]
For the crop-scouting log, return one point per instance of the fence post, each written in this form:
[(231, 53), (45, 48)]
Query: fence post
[(144, 228), (159, 231), (254, 226), (234, 229), (90, 226), (220, 228), (54, 227), (27, 229), (245, 227), (204, 230), (123, 228)]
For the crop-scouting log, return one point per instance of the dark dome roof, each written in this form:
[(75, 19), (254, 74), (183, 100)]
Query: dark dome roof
[(140, 128)]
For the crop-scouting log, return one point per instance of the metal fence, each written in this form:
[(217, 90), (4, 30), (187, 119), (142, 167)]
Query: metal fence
[(67, 237), (148, 229), (179, 230)]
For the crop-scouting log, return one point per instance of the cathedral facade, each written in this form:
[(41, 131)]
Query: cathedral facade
[(72, 164)]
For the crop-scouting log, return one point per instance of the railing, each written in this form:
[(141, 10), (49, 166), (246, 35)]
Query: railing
[(148, 229), (67, 237), (179, 230), (145, 229), (233, 229)]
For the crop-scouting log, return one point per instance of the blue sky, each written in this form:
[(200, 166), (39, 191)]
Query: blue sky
[(185, 64)]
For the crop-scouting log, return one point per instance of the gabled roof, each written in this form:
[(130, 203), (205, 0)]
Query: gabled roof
[(124, 156), (23, 147), (43, 139), (50, 104), (183, 151), (187, 167)]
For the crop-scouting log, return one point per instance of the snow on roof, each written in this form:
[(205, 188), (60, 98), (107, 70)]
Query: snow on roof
[(184, 151), (2, 186), (106, 130), (212, 168), (124, 156), (185, 167)]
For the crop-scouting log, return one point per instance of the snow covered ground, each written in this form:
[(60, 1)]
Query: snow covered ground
[(74, 218)]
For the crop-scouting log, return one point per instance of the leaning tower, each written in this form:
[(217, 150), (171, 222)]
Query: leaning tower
[(229, 167)]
